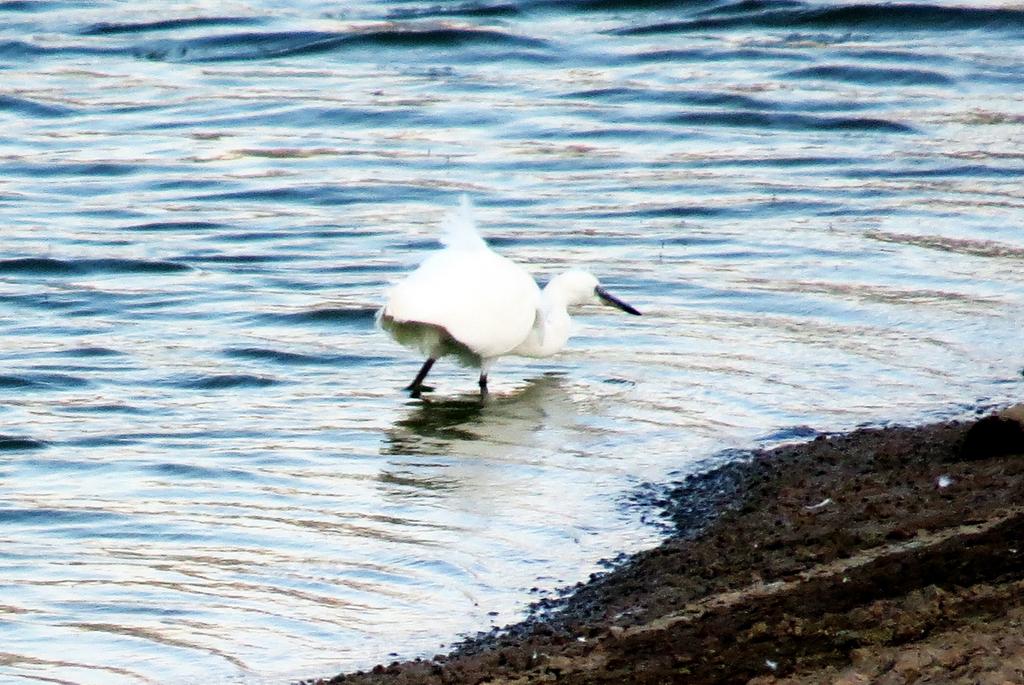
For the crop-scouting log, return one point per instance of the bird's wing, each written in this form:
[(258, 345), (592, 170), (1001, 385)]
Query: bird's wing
[(483, 300)]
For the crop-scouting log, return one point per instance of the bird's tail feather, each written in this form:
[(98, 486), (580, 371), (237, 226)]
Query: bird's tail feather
[(458, 230)]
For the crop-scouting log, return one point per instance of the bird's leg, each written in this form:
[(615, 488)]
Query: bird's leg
[(485, 366), (416, 386)]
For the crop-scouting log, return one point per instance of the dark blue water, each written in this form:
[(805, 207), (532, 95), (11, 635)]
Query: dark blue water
[(207, 469)]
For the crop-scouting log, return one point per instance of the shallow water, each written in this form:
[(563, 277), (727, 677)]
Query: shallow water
[(207, 469)]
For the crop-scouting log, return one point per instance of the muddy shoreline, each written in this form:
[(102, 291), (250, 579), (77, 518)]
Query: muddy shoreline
[(891, 555)]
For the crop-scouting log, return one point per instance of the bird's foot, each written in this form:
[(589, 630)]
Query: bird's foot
[(415, 390)]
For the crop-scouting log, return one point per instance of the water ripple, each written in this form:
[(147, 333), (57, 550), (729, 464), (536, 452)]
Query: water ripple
[(47, 266), (41, 381), (297, 359), (15, 442), (45, 516), (465, 9), (978, 248), (272, 45), (345, 316), (873, 76), (107, 28), (223, 381), (185, 226), (19, 5), (789, 121), (32, 108), (863, 17), (73, 168)]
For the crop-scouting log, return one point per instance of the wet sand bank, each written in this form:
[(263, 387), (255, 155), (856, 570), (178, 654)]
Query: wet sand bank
[(891, 555)]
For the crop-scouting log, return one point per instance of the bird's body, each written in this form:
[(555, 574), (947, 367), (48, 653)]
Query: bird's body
[(468, 301), (445, 292)]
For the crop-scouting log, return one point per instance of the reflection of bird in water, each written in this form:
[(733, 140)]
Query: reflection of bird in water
[(434, 427), (463, 447), (483, 459), (468, 301)]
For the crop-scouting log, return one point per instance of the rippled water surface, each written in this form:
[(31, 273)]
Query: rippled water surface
[(207, 469)]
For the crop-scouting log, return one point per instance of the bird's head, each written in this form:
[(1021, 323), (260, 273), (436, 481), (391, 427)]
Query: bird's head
[(582, 287)]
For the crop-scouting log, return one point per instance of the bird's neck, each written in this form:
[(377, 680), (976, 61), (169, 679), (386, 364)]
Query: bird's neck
[(550, 331)]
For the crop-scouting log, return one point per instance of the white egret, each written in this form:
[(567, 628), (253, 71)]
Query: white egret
[(468, 301)]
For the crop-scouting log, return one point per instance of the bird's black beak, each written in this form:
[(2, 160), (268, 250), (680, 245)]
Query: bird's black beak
[(610, 299)]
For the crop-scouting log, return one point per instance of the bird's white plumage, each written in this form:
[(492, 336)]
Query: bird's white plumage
[(469, 301), (550, 332), (458, 230), (480, 299)]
